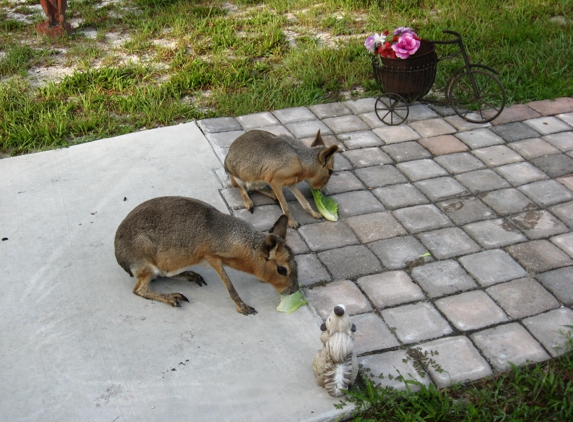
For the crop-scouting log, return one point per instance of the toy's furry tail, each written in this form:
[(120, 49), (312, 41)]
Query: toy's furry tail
[(337, 376)]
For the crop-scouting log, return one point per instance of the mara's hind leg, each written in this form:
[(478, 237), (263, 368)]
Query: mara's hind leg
[(267, 192), (238, 183), (192, 276), (144, 276)]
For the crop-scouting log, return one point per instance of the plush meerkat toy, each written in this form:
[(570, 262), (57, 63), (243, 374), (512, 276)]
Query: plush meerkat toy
[(335, 366)]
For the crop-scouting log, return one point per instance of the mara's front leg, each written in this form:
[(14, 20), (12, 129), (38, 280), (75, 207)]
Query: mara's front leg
[(302, 200), (242, 307)]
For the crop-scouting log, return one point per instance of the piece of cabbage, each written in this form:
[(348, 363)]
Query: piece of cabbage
[(290, 303), (326, 206)]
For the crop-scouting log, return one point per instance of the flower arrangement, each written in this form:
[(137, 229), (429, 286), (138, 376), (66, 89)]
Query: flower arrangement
[(403, 43)]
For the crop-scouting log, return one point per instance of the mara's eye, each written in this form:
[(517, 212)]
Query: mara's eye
[(329, 172), (353, 328), (281, 270)]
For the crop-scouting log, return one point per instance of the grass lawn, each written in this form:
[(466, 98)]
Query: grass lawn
[(541, 392), (136, 64)]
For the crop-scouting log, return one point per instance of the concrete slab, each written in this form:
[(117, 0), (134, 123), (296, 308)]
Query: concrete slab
[(78, 345)]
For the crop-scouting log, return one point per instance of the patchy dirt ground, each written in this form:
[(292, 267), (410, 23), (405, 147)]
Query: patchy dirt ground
[(62, 62)]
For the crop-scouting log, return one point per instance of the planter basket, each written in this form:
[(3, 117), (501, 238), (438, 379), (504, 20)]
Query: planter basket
[(411, 78)]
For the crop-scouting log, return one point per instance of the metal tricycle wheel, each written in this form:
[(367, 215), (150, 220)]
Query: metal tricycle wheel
[(391, 108)]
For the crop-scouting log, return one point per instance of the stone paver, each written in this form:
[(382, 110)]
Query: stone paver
[(295, 242), (564, 212), (521, 173), (560, 283), (389, 289), (357, 203), (307, 128), (372, 334), (562, 140), (394, 134), (294, 114), (342, 181), (385, 369), (547, 125), (421, 218), (362, 105), (538, 224), (406, 151), (522, 298), (492, 267), (550, 107), (448, 243), (494, 233), (323, 111), (471, 310), (328, 235), (516, 131), (565, 242), (263, 218), (466, 210), (375, 177), (416, 322), (257, 120), (400, 252), (219, 124), (480, 138), (421, 169), (367, 157), (399, 196), (533, 148), (375, 226), (361, 139), (432, 127), (345, 124), (497, 155), (441, 188), (458, 360), (453, 236), (482, 181), (442, 145), (325, 298), (350, 262), (547, 192), (566, 181), (460, 163), (554, 165), (509, 344), (311, 270), (539, 256), (443, 278), (548, 328), (507, 201)]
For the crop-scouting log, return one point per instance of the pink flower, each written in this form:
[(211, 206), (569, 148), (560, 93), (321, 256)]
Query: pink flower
[(407, 44)]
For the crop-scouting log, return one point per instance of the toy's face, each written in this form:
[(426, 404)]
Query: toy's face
[(338, 322)]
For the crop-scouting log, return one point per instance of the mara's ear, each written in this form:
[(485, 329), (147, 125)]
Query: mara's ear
[(325, 154), (323, 326), (280, 227), (269, 247), (318, 140), (353, 328)]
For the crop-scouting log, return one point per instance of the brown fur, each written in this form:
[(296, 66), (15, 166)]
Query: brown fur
[(164, 236), (258, 158), (335, 365)]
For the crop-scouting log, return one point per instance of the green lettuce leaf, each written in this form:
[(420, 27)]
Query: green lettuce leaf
[(326, 206), (290, 303)]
